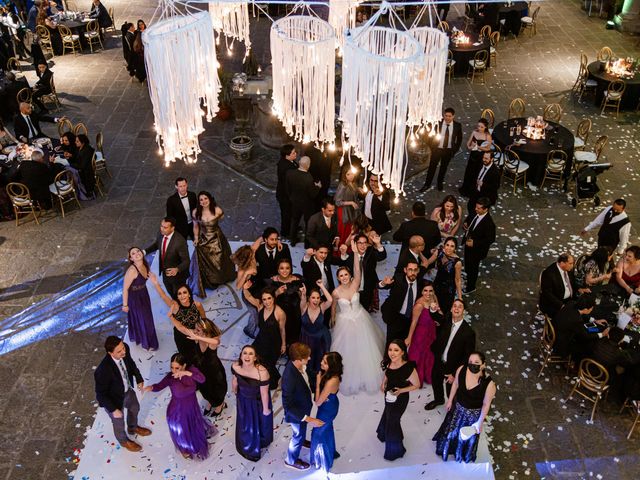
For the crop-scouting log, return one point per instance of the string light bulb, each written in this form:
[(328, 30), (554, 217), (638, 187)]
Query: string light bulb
[(353, 169), (396, 200)]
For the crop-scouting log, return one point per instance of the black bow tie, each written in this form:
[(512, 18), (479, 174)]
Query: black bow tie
[(186, 196)]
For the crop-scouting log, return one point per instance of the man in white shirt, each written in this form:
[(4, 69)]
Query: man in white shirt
[(615, 227), (315, 266), (448, 143), (180, 206)]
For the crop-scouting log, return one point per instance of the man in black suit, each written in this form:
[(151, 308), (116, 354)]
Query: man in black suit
[(42, 86), (487, 183), (367, 255), (572, 337), (377, 202), (174, 256), (396, 309), (26, 124), (315, 266), (322, 227), (37, 175), (180, 206), (116, 378), (297, 385), (414, 254), (418, 225), (268, 255), (480, 233), (455, 340), (557, 285), (447, 144), (100, 13), (302, 194), (286, 163)]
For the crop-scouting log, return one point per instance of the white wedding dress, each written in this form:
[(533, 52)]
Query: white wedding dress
[(360, 342)]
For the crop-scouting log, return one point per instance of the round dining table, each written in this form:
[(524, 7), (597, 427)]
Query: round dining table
[(462, 53), (535, 152), (512, 13), (630, 97)]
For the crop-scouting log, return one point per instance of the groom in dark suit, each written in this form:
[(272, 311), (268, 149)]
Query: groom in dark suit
[(297, 385), (180, 206), (397, 308), (447, 144), (174, 256), (115, 383), (480, 233)]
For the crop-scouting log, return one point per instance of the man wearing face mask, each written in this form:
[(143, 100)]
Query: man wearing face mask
[(455, 340)]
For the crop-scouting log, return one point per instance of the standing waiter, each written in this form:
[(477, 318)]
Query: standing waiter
[(615, 227)]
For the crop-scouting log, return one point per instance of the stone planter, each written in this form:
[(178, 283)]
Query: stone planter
[(241, 146)]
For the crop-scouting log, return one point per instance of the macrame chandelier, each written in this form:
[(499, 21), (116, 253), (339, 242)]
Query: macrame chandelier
[(303, 59), (342, 15), (231, 18), (427, 88), (377, 69), (182, 74)]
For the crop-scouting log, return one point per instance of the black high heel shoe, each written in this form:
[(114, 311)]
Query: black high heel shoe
[(214, 414)]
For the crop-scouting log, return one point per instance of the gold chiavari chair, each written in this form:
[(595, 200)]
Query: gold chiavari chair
[(613, 96), (582, 134), (554, 169), (516, 108), (478, 66), (552, 112), (591, 383)]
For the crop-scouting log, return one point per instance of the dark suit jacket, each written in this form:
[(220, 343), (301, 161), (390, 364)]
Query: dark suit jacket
[(571, 335), (44, 83), (461, 346), (176, 210), (266, 267), (403, 259), (37, 177), (311, 273), (552, 290), (318, 233), (609, 354), (426, 228), (284, 166), (369, 263), (302, 191), (109, 388), (21, 129), (296, 394), (490, 185), (456, 141), (483, 235), (176, 255), (397, 291), (379, 208)]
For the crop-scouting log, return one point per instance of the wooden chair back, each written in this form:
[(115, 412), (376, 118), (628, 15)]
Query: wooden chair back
[(552, 112), (517, 108)]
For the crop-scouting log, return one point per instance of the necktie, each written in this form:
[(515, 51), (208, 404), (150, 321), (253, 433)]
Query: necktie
[(271, 254), (407, 311), (125, 375), (445, 144), (361, 262), (483, 172), (328, 222), (474, 223), (567, 283), (164, 249), (32, 129)]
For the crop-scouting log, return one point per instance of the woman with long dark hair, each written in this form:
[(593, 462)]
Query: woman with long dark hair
[(136, 302), (271, 341), (479, 142), (323, 442), (254, 416), (214, 388), (346, 199), (188, 429), (313, 330), (213, 253), (184, 315), (286, 286), (400, 377), (138, 52), (422, 332), (594, 269), (448, 282), (448, 215), (469, 401)]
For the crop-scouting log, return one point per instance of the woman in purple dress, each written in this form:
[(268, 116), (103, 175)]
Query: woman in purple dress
[(422, 332), (254, 415), (136, 302), (313, 330), (188, 429)]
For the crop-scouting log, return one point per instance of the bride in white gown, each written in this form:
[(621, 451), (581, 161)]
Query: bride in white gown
[(355, 336)]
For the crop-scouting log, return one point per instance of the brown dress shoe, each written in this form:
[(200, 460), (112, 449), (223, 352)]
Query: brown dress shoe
[(143, 432), (131, 446)]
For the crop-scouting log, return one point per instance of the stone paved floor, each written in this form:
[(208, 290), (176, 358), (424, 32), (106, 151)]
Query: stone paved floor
[(46, 389)]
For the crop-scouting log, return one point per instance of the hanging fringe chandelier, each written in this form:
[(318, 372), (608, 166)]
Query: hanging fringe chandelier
[(377, 71), (182, 74), (303, 60), (342, 15), (231, 18)]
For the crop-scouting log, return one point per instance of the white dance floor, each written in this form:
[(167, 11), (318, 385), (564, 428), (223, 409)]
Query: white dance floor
[(355, 427)]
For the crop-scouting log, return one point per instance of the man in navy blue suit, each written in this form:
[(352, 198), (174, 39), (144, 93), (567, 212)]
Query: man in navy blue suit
[(115, 391), (297, 402)]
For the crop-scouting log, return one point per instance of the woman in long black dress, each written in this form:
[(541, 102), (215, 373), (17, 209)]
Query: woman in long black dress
[(138, 52), (469, 401), (479, 142), (448, 282), (207, 337), (286, 286), (400, 377), (271, 341), (254, 416), (184, 315)]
